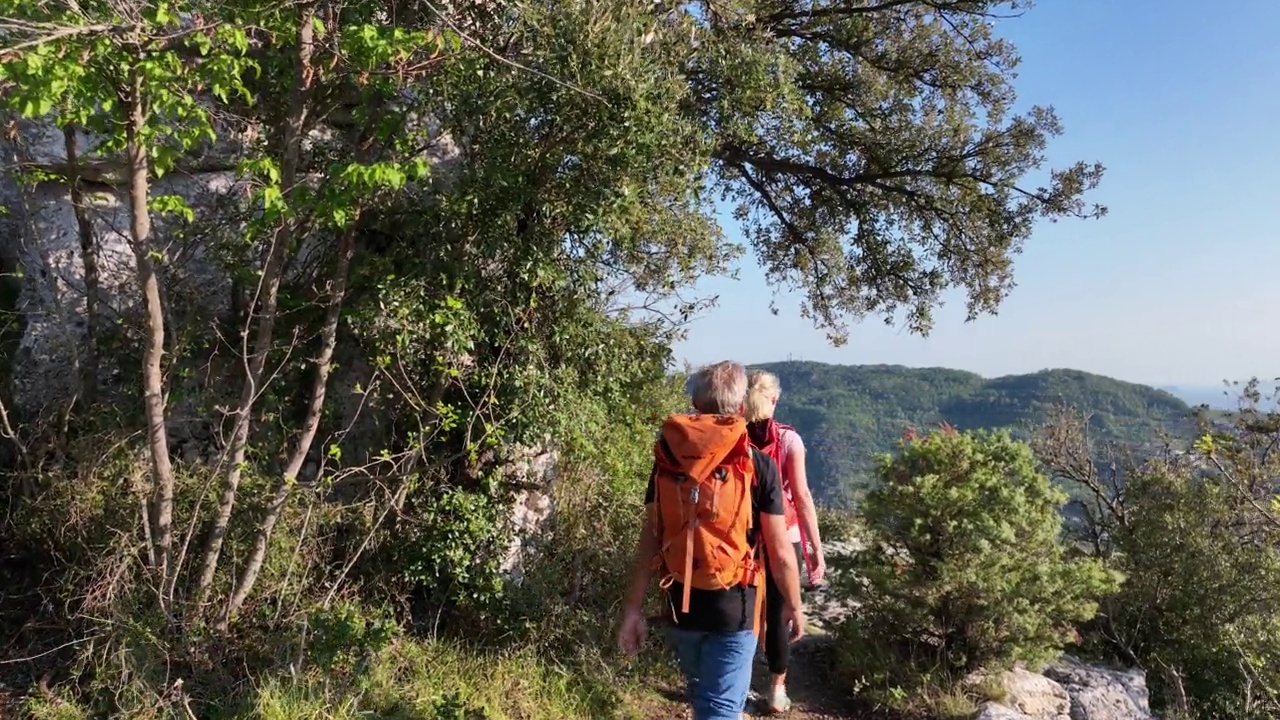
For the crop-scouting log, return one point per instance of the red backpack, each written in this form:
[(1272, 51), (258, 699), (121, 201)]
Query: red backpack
[(772, 446)]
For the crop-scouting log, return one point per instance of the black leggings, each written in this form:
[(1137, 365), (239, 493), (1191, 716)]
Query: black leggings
[(777, 644)]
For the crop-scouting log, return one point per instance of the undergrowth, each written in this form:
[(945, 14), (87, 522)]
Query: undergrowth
[(408, 680)]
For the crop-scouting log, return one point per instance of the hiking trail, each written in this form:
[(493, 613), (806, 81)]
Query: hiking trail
[(816, 692)]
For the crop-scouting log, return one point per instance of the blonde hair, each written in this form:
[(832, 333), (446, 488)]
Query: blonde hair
[(763, 389), (720, 388)]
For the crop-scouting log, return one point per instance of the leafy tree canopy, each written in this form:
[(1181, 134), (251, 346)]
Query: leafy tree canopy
[(871, 147), (875, 152)]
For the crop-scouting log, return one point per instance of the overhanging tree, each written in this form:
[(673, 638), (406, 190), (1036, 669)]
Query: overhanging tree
[(874, 152)]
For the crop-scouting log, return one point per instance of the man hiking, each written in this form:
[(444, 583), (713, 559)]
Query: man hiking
[(714, 507)]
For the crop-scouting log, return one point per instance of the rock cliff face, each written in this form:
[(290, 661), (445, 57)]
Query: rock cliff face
[(54, 263), (43, 250), (43, 245)]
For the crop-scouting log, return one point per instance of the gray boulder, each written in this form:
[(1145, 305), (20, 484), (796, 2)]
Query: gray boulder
[(996, 711), (1069, 690), (1102, 693)]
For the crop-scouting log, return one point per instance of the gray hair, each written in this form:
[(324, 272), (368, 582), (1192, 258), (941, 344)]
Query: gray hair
[(719, 389)]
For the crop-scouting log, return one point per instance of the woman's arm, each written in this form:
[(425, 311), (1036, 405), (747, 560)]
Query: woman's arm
[(805, 508)]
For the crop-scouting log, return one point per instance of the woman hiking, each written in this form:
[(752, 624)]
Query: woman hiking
[(784, 445)]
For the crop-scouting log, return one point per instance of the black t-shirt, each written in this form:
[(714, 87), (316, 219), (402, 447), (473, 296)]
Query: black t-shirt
[(732, 610)]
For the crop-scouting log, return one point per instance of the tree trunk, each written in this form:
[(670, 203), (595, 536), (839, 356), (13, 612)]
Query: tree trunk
[(315, 410), (152, 372), (269, 290), (89, 257)]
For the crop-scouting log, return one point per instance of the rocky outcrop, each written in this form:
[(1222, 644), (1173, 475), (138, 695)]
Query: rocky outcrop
[(533, 470), (1069, 690), (43, 254), (996, 711), (1101, 693), (826, 610), (42, 246), (1034, 696)]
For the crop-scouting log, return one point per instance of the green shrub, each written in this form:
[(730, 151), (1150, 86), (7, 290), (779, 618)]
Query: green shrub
[(1199, 606), (964, 568), (54, 708), (1196, 533), (838, 524)]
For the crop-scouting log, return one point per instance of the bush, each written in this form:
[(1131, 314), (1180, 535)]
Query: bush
[(1199, 606), (1196, 532), (964, 568), (838, 524)]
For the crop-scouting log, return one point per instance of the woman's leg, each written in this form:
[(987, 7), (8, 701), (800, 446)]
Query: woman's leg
[(776, 648), (777, 644)]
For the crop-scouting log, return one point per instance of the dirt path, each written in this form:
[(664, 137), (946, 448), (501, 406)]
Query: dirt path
[(816, 693)]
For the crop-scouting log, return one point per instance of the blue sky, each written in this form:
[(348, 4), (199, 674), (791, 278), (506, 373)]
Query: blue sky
[(1177, 284)]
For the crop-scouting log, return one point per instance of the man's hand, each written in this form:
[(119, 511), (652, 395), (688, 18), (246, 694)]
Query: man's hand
[(632, 633), (793, 616)]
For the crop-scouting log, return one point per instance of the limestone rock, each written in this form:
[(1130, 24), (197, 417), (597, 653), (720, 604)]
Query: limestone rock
[(1070, 690), (996, 711), (1033, 695), (1101, 693), (1023, 695), (533, 470), (52, 295)]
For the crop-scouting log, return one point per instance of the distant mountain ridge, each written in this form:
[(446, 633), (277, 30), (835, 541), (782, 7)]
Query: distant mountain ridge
[(849, 414)]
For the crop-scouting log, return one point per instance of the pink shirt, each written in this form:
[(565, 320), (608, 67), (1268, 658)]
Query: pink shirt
[(790, 442)]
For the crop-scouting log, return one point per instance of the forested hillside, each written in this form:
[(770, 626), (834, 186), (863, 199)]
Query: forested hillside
[(850, 413)]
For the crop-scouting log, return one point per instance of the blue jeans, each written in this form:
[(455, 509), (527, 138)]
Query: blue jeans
[(717, 669)]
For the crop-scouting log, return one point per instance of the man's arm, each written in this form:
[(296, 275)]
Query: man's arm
[(632, 631), (642, 571), (782, 557)]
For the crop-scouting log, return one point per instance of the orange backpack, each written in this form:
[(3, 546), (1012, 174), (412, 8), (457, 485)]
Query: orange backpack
[(702, 502)]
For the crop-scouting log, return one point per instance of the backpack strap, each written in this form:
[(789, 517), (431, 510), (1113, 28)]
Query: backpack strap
[(688, 557), (757, 573), (756, 566)]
